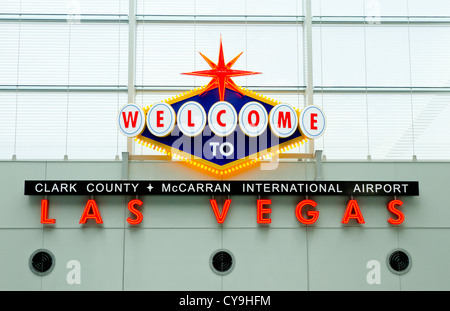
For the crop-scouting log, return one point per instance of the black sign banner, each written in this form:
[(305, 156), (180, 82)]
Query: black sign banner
[(213, 187)]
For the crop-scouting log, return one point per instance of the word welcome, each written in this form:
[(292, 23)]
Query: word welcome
[(222, 118)]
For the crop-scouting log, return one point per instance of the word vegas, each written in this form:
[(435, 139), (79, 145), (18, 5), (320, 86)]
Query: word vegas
[(302, 212)]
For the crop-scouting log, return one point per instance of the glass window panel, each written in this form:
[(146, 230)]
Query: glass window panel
[(430, 61), (276, 51), (99, 54), (9, 36), (65, 6), (370, 8), (7, 124), (429, 8), (376, 8), (164, 7), (43, 54), (337, 8), (380, 8), (96, 54), (338, 56), (387, 56), (41, 125), (431, 126), (163, 52), (390, 125), (170, 49), (220, 7), (269, 7)]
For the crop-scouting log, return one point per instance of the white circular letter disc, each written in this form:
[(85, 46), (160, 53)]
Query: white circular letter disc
[(312, 122), (253, 119), (191, 118), (283, 120), (161, 119), (222, 118), (131, 120)]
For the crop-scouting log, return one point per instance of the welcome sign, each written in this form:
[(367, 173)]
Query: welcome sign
[(221, 127)]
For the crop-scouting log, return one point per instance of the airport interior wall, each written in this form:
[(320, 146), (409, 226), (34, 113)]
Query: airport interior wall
[(171, 248)]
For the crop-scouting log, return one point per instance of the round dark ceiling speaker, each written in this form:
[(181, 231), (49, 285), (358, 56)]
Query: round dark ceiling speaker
[(42, 262), (399, 261), (222, 262)]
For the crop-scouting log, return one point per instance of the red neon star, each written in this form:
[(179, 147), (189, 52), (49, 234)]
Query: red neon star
[(221, 73)]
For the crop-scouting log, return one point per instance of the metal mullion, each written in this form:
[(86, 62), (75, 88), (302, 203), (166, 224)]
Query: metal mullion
[(184, 88), (63, 88), (381, 20), (292, 19), (131, 62), (63, 18), (377, 89), (309, 92), (288, 89)]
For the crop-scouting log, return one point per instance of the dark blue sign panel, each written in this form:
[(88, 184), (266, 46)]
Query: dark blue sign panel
[(208, 148)]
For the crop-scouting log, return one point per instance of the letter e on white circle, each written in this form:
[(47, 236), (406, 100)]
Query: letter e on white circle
[(161, 119), (312, 122)]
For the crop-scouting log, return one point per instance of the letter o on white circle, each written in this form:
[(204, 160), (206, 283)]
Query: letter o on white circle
[(253, 119)]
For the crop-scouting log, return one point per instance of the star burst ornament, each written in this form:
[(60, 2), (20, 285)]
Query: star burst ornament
[(221, 73)]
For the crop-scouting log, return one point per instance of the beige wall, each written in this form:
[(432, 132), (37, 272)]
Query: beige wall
[(170, 249)]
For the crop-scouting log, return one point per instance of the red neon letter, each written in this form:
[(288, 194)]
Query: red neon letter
[(353, 212), (221, 112), (159, 118), (130, 116), (260, 211), (44, 213), (313, 121), (138, 214), (190, 119), (250, 118), (285, 118), (91, 211), (220, 217), (399, 214), (313, 214)]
